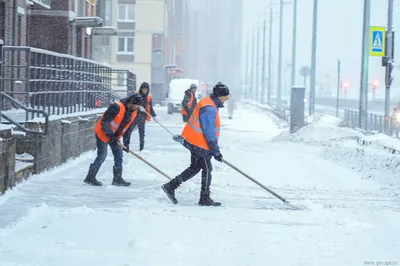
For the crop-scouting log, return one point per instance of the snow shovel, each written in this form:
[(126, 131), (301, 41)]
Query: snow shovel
[(145, 161), (259, 184), (159, 124), (238, 170)]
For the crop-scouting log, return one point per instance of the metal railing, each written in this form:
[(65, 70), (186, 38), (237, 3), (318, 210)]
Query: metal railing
[(56, 83), (17, 124), (123, 82), (375, 122)]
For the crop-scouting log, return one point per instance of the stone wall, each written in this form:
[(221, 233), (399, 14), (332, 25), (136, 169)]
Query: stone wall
[(67, 138), (7, 160)]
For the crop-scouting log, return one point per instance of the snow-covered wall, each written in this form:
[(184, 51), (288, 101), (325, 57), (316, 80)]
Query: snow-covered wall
[(67, 138), (7, 159)]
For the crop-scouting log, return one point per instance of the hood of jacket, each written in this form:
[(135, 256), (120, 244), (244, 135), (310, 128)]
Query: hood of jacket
[(142, 86)]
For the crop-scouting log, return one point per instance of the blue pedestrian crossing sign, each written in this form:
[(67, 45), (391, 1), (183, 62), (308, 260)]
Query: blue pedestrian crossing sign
[(377, 36)]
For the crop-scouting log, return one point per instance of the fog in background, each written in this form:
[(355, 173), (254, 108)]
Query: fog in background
[(339, 36)]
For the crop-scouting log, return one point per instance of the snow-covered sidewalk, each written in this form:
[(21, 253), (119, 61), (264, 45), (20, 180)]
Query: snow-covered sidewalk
[(54, 219)]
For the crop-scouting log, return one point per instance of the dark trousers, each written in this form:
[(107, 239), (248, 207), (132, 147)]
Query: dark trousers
[(185, 118), (197, 164), (141, 124), (102, 153)]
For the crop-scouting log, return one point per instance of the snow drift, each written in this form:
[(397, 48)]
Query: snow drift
[(340, 144)]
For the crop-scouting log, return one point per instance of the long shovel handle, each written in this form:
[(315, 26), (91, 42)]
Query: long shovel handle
[(145, 161), (172, 134), (255, 181)]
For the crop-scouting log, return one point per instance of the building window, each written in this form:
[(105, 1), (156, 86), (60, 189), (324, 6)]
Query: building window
[(125, 45), (126, 13)]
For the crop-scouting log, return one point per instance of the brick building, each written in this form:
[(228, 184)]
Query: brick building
[(55, 25)]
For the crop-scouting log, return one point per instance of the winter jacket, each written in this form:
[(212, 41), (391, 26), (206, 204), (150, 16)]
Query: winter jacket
[(208, 121), (186, 99), (109, 116), (142, 115)]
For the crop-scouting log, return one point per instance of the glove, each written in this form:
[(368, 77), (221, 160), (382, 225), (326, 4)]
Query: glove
[(141, 109), (218, 158), (155, 119), (178, 138), (126, 149)]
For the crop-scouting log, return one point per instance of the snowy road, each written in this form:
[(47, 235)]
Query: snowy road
[(54, 219)]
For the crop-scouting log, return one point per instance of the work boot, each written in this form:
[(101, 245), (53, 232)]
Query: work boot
[(170, 187), (141, 147), (91, 176), (205, 199), (117, 180)]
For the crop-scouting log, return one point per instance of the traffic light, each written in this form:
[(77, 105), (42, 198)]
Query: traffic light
[(375, 84), (389, 75), (345, 85)]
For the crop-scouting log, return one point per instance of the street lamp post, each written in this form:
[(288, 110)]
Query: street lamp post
[(362, 117), (313, 59), (294, 37), (263, 65), (270, 57), (257, 64), (279, 93)]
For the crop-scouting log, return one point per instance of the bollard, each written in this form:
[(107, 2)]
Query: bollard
[(297, 108)]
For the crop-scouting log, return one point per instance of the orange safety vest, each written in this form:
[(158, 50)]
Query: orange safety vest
[(114, 124), (192, 132), (189, 105), (148, 109)]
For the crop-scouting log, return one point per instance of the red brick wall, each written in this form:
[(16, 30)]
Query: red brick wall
[(49, 33)]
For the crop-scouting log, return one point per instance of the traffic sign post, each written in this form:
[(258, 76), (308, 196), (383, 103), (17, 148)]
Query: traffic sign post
[(377, 41)]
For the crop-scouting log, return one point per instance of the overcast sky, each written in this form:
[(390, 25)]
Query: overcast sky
[(339, 36)]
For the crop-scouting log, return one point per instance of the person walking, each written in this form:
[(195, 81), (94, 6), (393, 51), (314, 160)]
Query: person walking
[(189, 102), (144, 117), (200, 136)]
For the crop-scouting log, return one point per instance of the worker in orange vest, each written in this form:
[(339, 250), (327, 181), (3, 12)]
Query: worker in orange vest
[(200, 136), (117, 121), (147, 105), (189, 102)]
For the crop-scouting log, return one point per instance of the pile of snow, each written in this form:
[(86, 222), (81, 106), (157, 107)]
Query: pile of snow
[(323, 131), (372, 162), (382, 141)]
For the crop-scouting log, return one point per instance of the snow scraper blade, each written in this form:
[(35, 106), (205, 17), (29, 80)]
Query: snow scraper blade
[(262, 186)]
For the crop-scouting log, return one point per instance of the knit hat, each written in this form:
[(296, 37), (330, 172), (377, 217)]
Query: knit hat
[(193, 86), (220, 89), (135, 98)]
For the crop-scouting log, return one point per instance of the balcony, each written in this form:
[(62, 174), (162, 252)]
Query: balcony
[(43, 3)]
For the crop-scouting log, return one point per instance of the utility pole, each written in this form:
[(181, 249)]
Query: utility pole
[(279, 94), (252, 68), (362, 113), (263, 64), (294, 37), (257, 64), (247, 72), (338, 88), (270, 57), (389, 64), (313, 59)]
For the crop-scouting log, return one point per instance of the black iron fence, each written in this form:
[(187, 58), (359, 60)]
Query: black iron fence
[(57, 83), (123, 82)]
